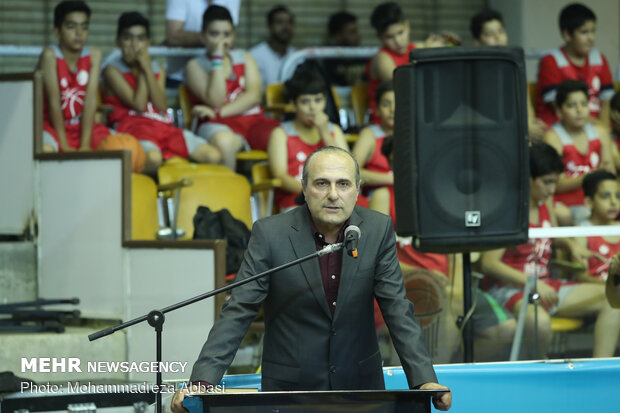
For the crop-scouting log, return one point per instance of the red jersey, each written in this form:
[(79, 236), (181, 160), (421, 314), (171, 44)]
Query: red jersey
[(373, 83), (596, 267), (576, 163), (235, 84), (149, 125), (72, 85), (531, 258), (251, 124), (410, 256), (298, 152), (556, 67), (378, 162)]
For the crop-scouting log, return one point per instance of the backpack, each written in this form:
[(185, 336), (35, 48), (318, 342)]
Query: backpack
[(222, 225)]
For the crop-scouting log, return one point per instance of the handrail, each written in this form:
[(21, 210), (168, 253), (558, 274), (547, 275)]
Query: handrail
[(157, 51), (299, 56)]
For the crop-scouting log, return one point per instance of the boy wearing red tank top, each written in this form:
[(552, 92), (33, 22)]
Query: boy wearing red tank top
[(578, 59), (506, 270), (584, 146), (225, 85), (134, 86), (375, 168), (393, 32), (293, 141), (602, 192), (71, 83)]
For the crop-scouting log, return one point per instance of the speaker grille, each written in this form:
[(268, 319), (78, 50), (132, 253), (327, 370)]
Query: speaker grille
[(461, 125)]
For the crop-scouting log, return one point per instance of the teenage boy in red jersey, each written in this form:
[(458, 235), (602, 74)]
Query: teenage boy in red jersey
[(71, 83), (135, 87), (226, 84), (393, 31), (576, 60)]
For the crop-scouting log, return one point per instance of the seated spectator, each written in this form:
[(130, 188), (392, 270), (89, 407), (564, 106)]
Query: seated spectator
[(576, 60), (71, 83), (135, 87), (393, 32), (602, 192), (375, 168), (487, 28), (183, 29), (614, 118), (226, 84), (583, 146), (270, 54), (292, 142), (506, 270), (343, 31)]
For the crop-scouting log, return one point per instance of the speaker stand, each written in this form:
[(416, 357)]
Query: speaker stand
[(468, 328)]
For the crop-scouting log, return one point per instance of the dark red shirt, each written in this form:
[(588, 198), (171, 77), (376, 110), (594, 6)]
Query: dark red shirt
[(330, 264)]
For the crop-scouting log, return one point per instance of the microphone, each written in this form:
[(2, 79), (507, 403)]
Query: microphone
[(352, 234)]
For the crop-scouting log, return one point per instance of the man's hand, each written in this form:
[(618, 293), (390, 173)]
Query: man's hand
[(177, 401), (444, 400)]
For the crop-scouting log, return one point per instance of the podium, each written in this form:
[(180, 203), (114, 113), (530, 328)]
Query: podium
[(367, 401)]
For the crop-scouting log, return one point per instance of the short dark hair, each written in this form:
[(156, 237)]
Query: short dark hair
[(593, 179), (66, 7), (386, 14), (337, 21), (275, 10), (305, 81), (304, 173), (574, 16), (214, 13), (615, 102), (476, 22), (566, 88), (544, 159), (384, 87), (130, 19)]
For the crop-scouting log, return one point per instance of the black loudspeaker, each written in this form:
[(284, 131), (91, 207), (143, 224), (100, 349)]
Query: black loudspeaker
[(461, 161)]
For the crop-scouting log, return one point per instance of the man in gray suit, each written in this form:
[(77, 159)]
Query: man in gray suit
[(319, 318)]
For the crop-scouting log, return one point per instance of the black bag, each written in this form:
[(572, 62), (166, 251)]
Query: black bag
[(222, 225)]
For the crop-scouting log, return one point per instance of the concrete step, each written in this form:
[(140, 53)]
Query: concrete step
[(18, 271)]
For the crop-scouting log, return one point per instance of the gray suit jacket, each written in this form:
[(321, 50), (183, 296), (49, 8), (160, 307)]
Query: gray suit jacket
[(305, 348)]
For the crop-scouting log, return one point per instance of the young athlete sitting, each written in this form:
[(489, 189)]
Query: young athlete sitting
[(226, 84), (602, 192), (292, 142), (135, 87), (71, 83), (583, 146)]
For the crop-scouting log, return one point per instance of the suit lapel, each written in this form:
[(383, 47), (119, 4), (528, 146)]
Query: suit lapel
[(303, 244), (350, 266)]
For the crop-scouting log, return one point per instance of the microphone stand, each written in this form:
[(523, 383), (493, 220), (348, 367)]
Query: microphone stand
[(156, 318)]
